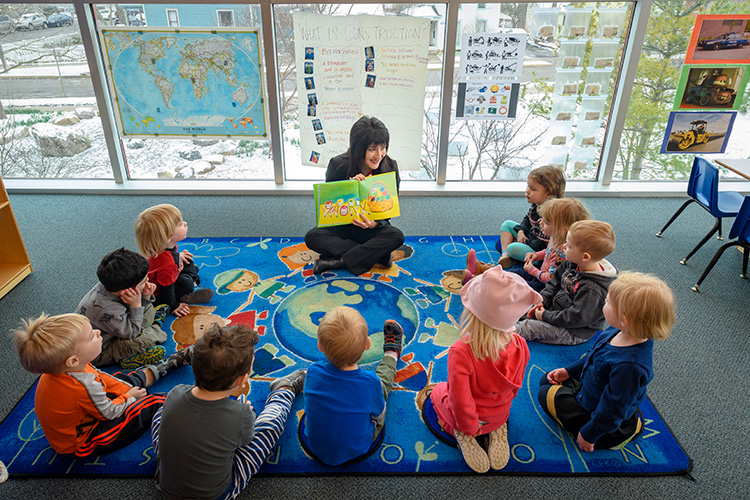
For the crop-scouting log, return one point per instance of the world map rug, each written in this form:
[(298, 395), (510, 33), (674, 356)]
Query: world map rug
[(268, 284)]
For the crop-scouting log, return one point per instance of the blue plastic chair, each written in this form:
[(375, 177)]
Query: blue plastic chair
[(741, 231), (703, 188)]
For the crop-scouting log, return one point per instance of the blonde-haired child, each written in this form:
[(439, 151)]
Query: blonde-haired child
[(157, 232), (485, 367), (596, 398), (82, 410), (557, 216), (516, 240), (344, 405)]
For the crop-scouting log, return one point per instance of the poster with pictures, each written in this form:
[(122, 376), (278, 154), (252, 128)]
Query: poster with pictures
[(697, 132), (360, 65), (723, 39), (492, 55), (487, 100), (711, 86)]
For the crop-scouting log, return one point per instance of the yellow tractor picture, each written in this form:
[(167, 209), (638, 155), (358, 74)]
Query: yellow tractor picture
[(696, 135)]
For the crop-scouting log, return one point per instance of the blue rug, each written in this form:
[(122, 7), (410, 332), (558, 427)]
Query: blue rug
[(285, 306)]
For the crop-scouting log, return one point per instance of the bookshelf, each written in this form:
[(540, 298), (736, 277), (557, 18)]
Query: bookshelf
[(14, 261)]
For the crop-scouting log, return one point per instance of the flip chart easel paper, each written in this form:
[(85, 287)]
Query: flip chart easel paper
[(360, 65)]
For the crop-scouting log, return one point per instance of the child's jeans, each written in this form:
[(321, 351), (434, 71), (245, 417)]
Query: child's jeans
[(533, 329)]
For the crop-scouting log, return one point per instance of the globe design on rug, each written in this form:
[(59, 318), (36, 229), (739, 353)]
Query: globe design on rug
[(297, 318)]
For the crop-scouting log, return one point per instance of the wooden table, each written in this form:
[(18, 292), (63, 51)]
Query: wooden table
[(738, 166)]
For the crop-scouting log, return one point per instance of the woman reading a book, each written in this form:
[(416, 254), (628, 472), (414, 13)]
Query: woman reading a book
[(363, 243)]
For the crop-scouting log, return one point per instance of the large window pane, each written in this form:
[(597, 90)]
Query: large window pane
[(198, 157), (659, 68), (49, 122), (571, 64), (284, 29)]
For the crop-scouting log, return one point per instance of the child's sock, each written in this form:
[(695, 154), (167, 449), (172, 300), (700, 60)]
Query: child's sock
[(393, 336)]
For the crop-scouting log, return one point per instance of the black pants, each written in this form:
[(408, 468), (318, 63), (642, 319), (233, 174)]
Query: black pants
[(359, 248), (112, 435), (560, 403)]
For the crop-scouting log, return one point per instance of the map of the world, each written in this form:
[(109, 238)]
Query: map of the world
[(185, 83)]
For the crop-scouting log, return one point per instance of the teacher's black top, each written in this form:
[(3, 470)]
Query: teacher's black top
[(340, 168)]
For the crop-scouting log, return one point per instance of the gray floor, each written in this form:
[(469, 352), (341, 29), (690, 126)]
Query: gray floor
[(67, 235)]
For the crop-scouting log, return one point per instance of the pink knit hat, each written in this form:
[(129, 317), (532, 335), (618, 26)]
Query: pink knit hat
[(499, 298)]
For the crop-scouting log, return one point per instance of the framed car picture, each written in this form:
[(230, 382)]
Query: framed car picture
[(723, 39), (711, 86)]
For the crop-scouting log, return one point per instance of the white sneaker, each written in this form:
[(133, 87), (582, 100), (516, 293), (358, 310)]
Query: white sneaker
[(474, 455), (499, 449)]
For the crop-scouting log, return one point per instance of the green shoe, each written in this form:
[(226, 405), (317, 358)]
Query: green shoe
[(147, 357), (160, 314)]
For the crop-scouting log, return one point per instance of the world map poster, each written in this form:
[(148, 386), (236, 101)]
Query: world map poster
[(191, 82)]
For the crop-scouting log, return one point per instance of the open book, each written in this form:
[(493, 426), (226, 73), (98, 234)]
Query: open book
[(340, 202)]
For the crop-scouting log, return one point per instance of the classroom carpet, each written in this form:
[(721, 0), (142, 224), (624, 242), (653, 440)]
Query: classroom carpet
[(268, 284)]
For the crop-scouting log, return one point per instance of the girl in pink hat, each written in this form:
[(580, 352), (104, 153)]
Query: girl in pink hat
[(485, 368)]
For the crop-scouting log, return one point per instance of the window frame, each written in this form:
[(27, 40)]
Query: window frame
[(122, 184)]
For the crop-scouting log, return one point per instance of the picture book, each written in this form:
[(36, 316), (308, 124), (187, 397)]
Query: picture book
[(340, 202)]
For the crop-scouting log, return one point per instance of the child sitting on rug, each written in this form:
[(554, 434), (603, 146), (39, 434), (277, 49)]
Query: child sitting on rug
[(345, 406), (157, 232), (120, 307), (81, 409), (485, 368), (596, 398), (516, 240), (557, 214), (571, 308), (206, 444)]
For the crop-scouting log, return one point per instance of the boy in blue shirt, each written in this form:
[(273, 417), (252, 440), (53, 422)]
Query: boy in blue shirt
[(596, 398), (345, 406)]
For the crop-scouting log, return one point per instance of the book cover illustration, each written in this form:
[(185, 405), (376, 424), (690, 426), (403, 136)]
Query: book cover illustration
[(340, 202)]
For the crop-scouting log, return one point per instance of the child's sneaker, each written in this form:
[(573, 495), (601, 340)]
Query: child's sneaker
[(176, 360), (294, 381), (498, 449), (474, 455), (198, 296), (147, 357), (161, 314), (393, 336)]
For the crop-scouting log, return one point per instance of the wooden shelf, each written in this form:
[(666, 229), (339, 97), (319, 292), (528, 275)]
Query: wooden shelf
[(14, 261)]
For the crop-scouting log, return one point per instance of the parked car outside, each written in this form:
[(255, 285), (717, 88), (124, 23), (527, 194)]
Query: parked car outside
[(6, 25), (725, 41), (31, 21), (59, 20)]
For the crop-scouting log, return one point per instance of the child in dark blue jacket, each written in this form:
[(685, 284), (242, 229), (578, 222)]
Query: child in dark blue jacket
[(596, 398)]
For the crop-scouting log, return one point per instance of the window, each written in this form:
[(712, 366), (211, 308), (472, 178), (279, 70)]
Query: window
[(225, 17), (41, 134), (566, 85), (173, 19), (660, 71)]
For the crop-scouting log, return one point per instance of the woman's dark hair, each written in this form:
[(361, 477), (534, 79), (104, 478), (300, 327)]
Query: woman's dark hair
[(366, 131)]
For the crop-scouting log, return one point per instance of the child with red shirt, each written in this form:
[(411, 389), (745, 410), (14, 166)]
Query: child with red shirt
[(157, 232), (485, 367)]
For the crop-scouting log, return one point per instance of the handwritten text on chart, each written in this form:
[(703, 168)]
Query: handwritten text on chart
[(350, 33)]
